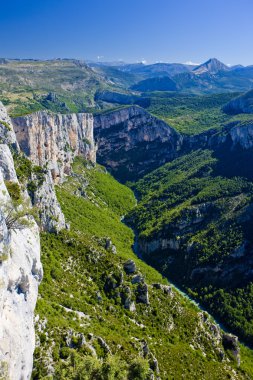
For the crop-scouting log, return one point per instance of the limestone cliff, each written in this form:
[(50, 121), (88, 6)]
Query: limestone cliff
[(131, 142), (234, 135), (54, 140), (20, 271), (7, 135)]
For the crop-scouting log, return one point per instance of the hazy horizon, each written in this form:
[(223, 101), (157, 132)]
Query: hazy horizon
[(101, 61)]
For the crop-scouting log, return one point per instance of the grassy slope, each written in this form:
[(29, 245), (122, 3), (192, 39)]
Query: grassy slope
[(168, 198), (76, 266)]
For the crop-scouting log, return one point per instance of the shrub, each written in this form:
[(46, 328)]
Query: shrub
[(13, 190)]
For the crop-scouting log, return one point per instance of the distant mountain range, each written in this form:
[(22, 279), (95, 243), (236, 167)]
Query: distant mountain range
[(212, 76), (212, 66), (70, 85)]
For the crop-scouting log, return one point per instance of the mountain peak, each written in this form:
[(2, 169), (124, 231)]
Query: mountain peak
[(212, 66)]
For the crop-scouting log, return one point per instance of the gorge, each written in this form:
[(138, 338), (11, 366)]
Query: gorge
[(49, 174)]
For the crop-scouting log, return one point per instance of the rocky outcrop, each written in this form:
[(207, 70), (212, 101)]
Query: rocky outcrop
[(50, 213), (20, 274), (142, 293), (7, 164), (7, 135), (130, 267), (234, 135), (230, 342), (54, 140), (132, 142), (161, 243)]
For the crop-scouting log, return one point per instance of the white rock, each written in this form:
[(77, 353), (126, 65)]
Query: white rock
[(20, 275)]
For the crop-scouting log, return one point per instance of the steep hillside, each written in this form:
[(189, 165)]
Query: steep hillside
[(194, 222), (132, 142), (103, 313)]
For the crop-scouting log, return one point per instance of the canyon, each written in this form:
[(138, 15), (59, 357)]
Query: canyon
[(130, 143)]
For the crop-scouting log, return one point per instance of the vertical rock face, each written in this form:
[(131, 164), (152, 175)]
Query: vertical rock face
[(132, 142), (54, 140), (20, 274), (7, 135), (50, 141), (51, 215)]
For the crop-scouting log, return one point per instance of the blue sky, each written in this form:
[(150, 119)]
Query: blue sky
[(131, 30)]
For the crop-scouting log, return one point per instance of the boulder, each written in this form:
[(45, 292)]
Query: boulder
[(130, 267), (142, 294), (230, 342)]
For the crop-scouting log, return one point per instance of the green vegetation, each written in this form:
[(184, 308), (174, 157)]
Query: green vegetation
[(192, 114), (206, 221), (23, 166), (14, 191), (29, 175), (188, 114), (58, 85), (7, 126), (230, 304), (111, 367), (81, 303)]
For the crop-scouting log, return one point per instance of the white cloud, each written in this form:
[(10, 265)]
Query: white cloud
[(191, 63), (100, 57)]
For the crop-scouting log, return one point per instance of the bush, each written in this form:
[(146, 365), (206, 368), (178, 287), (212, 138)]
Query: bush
[(13, 190)]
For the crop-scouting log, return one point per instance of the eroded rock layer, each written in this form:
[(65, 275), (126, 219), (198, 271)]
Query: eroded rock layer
[(54, 140), (132, 142)]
